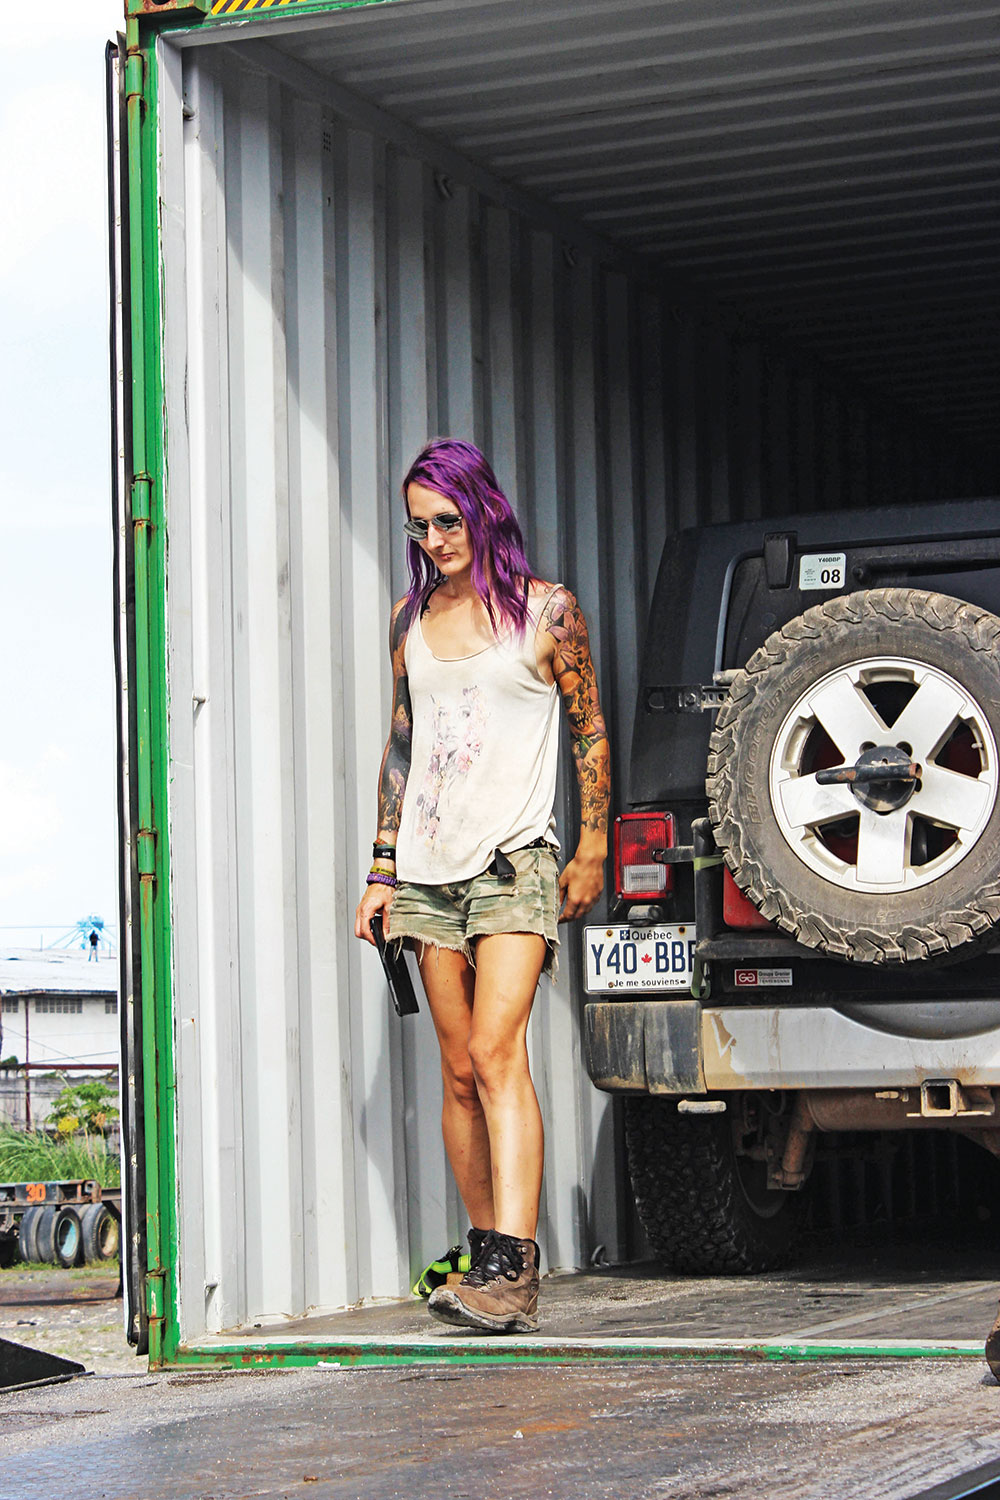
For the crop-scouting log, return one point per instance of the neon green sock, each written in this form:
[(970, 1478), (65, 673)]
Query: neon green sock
[(437, 1273)]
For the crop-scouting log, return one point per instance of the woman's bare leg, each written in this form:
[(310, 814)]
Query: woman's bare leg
[(449, 981), (508, 966)]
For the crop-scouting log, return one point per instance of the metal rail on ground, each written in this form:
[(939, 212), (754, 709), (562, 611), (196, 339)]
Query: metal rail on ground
[(477, 1350), (982, 1482)]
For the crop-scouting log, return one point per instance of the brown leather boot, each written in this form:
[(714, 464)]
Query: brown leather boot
[(500, 1292), (993, 1346)]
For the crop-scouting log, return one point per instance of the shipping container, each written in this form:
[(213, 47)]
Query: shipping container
[(668, 262)]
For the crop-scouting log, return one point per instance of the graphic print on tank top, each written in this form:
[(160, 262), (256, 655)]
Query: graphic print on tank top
[(484, 752), (458, 731)]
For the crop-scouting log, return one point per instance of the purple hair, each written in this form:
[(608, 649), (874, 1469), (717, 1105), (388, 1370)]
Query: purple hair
[(500, 571)]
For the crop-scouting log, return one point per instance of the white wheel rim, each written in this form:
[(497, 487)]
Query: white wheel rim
[(957, 805)]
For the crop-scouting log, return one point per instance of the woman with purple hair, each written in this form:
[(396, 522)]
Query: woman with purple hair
[(465, 857)]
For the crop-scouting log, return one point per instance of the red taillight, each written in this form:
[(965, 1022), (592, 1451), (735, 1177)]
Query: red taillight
[(638, 877)]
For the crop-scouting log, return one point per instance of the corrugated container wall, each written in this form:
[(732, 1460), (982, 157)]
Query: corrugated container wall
[(330, 301)]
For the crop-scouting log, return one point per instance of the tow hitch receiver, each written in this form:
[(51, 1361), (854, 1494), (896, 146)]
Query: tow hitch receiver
[(944, 1098)]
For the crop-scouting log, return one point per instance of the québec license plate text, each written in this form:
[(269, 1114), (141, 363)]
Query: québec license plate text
[(639, 958)]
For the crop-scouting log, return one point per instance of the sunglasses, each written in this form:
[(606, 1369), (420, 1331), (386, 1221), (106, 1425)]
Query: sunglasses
[(450, 521)]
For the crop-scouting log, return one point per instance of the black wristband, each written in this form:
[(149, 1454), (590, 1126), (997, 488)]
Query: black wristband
[(383, 851)]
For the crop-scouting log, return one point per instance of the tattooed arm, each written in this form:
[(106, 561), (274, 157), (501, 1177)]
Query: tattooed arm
[(393, 772), (582, 880), (396, 757)]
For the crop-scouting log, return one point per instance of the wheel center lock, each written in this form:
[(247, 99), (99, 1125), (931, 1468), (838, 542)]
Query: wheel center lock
[(882, 779), (885, 778)]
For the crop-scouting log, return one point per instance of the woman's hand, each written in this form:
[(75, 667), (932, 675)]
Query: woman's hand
[(580, 884), (377, 897)]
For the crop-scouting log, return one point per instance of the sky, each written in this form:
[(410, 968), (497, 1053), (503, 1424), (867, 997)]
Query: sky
[(58, 835)]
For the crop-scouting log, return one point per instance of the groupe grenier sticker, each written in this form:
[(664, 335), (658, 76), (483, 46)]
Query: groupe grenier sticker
[(754, 979)]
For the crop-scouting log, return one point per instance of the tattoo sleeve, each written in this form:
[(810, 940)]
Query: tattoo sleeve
[(396, 756), (573, 668)]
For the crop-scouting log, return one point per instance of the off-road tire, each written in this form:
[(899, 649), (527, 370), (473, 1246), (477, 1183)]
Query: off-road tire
[(952, 915), (688, 1190)]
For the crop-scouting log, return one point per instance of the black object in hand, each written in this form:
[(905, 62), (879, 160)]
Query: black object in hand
[(396, 972)]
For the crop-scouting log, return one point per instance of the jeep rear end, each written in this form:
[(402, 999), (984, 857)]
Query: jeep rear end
[(807, 877)]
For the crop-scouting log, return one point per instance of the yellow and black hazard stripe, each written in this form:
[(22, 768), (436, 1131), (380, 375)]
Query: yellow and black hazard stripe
[(173, 8), (227, 7)]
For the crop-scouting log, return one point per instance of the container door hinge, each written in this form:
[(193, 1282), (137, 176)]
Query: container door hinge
[(154, 1295), (134, 75), (145, 851), (141, 492)]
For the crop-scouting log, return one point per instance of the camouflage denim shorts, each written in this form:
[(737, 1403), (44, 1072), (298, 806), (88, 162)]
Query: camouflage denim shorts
[(453, 916)]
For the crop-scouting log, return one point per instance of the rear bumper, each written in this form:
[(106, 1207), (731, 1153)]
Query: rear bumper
[(682, 1047)]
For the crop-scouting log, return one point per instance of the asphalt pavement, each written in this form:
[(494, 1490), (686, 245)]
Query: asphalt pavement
[(880, 1429), (691, 1428)]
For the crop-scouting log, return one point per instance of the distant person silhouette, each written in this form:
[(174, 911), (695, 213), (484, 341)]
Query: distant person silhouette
[(94, 940)]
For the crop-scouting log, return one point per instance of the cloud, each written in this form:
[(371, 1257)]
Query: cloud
[(65, 21), (28, 880), (37, 512), (57, 812), (52, 140), (29, 809), (50, 190)]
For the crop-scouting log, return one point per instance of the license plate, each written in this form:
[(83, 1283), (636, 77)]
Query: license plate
[(639, 958)]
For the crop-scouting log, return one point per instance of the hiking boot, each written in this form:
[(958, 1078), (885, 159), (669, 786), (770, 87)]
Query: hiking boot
[(500, 1292), (451, 1262), (993, 1346), (477, 1238)]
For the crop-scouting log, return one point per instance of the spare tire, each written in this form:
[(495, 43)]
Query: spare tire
[(853, 777)]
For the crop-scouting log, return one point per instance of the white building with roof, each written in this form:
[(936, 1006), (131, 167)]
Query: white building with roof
[(57, 1007)]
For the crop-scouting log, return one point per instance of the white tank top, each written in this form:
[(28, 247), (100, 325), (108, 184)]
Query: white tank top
[(483, 758)]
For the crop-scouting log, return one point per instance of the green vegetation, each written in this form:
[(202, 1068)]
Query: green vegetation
[(87, 1106), (27, 1156)]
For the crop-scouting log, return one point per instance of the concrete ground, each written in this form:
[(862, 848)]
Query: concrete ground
[(688, 1429), (72, 1313)]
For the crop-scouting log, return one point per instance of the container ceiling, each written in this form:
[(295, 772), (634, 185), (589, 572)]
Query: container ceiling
[(828, 170)]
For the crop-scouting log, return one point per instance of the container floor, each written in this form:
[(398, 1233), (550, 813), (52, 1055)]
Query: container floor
[(906, 1297)]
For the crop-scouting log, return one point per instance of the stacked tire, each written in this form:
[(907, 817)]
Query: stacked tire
[(60, 1234), (100, 1234)]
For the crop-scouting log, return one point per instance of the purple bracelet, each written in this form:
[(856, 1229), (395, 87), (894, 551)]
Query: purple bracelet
[(375, 879)]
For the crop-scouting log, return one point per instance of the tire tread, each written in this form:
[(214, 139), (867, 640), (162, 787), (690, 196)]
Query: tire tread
[(942, 932), (688, 1198)]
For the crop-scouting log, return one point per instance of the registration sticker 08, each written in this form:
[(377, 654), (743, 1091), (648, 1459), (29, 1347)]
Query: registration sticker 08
[(822, 570), (639, 958)]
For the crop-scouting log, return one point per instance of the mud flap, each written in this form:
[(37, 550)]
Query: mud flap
[(645, 1046)]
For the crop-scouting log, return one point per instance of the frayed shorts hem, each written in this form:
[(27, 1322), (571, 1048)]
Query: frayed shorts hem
[(420, 942), (455, 916)]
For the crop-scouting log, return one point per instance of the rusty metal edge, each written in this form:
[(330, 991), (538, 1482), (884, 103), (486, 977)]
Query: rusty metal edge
[(388, 1352)]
